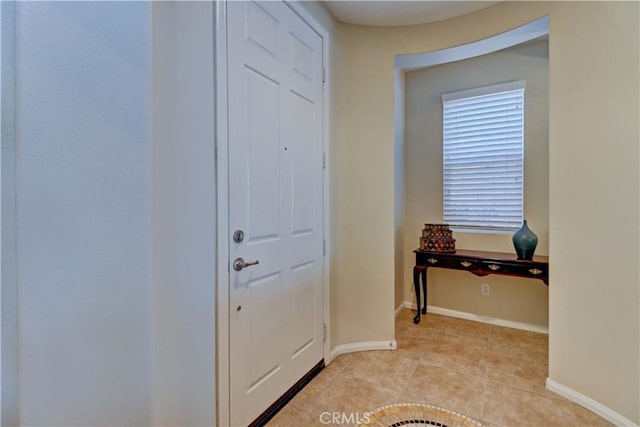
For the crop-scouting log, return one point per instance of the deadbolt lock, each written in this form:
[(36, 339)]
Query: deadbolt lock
[(238, 236)]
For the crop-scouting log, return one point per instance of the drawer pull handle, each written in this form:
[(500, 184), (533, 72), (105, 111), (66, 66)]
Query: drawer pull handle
[(535, 271), (494, 267), (465, 263), (432, 260)]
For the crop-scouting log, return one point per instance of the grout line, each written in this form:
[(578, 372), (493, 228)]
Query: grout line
[(498, 382), (340, 371), (491, 332), (484, 394)]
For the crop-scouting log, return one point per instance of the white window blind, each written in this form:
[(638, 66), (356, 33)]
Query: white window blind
[(483, 157)]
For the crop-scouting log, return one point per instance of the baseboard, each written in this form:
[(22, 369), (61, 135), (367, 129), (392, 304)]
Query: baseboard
[(584, 401), (399, 309), (363, 346), (478, 318)]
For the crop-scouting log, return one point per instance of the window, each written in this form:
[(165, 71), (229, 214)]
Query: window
[(483, 157)]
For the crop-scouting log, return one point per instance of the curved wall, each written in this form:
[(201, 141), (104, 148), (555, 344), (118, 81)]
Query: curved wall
[(593, 180), (512, 298), (594, 213)]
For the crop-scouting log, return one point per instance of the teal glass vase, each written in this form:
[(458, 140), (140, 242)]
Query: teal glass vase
[(525, 242)]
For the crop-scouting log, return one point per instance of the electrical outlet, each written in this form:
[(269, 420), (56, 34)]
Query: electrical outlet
[(486, 290)]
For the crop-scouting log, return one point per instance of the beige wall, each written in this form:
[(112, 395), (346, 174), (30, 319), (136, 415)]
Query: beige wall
[(594, 201), (594, 194), (362, 221), (514, 299), (363, 200)]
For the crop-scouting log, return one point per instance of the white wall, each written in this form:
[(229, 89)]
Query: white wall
[(520, 300), (399, 193), (116, 214), (9, 370), (184, 215), (83, 168)]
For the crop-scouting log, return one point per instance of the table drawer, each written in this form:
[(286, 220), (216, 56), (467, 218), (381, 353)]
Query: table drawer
[(444, 261), (532, 270)]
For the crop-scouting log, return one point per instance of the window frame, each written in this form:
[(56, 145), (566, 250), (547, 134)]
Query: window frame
[(518, 85)]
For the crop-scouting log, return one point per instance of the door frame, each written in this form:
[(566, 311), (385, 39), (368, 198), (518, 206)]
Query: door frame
[(222, 177)]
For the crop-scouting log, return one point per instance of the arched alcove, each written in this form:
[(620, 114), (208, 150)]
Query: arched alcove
[(478, 63)]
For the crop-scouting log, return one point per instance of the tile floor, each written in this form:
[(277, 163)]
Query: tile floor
[(491, 373)]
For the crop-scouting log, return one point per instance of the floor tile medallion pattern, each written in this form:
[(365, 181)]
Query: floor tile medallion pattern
[(413, 414)]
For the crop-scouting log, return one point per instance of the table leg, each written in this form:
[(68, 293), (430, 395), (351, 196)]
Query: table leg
[(424, 290), (416, 286)]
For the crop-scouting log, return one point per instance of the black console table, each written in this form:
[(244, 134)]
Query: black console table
[(479, 263)]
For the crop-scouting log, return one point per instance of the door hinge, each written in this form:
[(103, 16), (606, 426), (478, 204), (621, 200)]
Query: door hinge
[(324, 247), (324, 160), (324, 332), (324, 74)]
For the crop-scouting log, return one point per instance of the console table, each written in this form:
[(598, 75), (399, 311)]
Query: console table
[(480, 263)]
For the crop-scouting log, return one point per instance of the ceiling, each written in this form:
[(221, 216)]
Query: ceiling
[(395, 12)]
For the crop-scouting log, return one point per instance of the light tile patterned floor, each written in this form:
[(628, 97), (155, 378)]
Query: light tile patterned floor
[(491, 373)]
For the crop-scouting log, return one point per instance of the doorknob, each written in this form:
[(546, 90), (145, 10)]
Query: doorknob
[(240, 263)]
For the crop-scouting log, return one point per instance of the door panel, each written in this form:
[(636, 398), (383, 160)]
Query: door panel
[(303, 303), (263, 156), (263, 29), (275, 197), (303, 173), (265, 327)]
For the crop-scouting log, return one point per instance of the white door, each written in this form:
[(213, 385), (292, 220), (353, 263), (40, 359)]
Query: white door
[(275, 198)]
